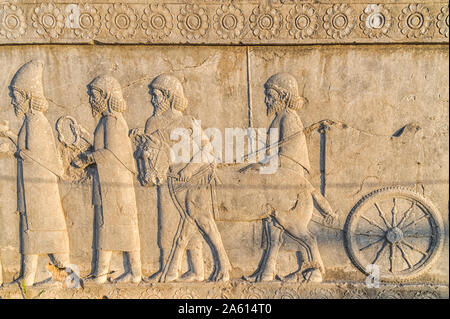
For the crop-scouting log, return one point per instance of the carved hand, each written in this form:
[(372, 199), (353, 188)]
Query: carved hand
[(332, 218), (83, 160), (135, 131), (251, 167), (186, 173), (22, 155)]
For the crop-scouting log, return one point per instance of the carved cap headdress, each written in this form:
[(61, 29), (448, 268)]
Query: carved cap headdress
[(171, 86), (111, 90), (29, 78), (28, 81), (286, 85)]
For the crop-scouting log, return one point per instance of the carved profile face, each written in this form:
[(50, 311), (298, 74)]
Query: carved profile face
[(97, 101), (159, 101), (19, 102), (273, 101)]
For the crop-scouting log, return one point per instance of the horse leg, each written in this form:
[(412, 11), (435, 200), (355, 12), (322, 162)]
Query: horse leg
[(179, 246), (199, 208), (268, 268), (196, 270), (313, 264)]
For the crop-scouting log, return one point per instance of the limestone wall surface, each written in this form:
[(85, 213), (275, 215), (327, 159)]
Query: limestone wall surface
[(353, 184)]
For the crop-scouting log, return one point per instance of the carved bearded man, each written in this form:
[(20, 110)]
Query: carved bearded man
[(39, 165), (283, 101), (114, 197), (169, 105)]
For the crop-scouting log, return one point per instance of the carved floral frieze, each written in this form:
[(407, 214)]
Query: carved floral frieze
[(216, 22)]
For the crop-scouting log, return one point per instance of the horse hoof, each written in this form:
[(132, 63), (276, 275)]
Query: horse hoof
[(312, 276)]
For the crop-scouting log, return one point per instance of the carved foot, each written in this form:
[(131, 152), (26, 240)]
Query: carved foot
[(127, 278), (223, 276), (96, 280), (294, 277), (19, 281), (312, 275), (191, 276), (170, 278), (49, 283)]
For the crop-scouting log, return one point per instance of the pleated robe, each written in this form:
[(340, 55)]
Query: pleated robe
[(113, 192), (44, 230)]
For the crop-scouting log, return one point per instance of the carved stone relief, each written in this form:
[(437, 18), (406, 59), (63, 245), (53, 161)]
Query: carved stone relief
[(198, 171), (217, 22)]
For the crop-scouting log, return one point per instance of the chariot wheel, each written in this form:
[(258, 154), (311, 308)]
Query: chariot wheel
[(397, 230)]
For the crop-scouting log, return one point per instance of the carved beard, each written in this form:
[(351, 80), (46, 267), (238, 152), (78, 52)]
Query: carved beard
[(98, 105), (161, 107), (20, 109), (274, 107)]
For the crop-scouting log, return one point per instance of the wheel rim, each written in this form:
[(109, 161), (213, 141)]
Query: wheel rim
[(395, 229)]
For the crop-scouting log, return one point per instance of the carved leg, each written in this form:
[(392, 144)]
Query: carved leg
[(174, 262), (196, 271), (313, 264), (135, 273), (199, 207), (104, 260), (136, 266), (30, 269), (268, 269), (223, 265)]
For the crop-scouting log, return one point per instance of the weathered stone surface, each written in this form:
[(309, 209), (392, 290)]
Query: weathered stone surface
[(360, 156)]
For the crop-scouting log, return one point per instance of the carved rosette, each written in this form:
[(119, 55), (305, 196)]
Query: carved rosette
[(266, 22), (48, 20), (415, 20), (157, 21), (339, 21), (151, 293), (228, 22), (121, 21), (302, 21), (442, 21), (376, 21), (87, 21), (251, 292), (286, 293), (12, 21), (193, 22), (185, 293)]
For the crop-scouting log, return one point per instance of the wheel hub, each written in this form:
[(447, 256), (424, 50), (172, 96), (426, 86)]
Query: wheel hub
[(394, 235)]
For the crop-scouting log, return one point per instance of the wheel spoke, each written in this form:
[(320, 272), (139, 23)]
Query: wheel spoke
[(391, 258), (394, 211), (379, 253), (415, 221), (368, 235), (414, 248), (372, 223), (417, 235), (381, 214), (405, 256), (371, 244), (406, 214)]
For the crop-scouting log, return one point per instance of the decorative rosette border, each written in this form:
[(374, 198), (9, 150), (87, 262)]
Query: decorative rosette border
[(223, 22)]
